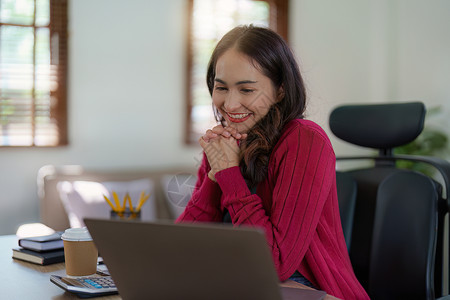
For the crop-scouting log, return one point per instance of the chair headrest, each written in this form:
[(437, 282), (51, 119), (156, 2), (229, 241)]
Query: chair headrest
[(380, 126)]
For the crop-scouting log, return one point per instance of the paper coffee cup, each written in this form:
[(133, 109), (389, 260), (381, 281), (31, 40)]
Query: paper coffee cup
[(80, 252)]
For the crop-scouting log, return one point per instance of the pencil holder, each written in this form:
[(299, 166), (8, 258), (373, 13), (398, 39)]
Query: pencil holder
[(125, 215)]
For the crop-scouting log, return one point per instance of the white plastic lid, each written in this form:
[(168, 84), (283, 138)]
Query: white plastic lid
[(76, 234)]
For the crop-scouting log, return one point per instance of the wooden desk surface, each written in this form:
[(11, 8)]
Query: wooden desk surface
[(22, 280)]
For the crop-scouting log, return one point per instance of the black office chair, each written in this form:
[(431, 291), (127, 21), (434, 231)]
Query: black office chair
[(404, 238), (347, 201), (393, 256)]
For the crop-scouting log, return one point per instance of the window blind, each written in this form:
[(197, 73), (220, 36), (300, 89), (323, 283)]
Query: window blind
[(33, 72)]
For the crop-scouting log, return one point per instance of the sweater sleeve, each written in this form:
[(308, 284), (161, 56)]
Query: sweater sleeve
[(301, 168), (204, 205)]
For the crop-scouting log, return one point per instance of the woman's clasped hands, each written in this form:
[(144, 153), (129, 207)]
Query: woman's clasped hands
[(221, 148)]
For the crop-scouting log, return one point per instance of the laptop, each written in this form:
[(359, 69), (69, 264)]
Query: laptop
[(162, 260)]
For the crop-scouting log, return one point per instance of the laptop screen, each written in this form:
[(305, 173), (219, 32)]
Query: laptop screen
[(163, 260)]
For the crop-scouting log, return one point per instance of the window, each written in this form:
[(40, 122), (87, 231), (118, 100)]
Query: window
[(209, 20), (33, 67)]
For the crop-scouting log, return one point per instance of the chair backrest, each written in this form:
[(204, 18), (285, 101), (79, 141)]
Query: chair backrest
[(367, 180), (383, 127), (404, 238), (378, 126), (347, 201)]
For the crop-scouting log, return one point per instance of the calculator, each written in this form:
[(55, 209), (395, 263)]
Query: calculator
[(86, 287)]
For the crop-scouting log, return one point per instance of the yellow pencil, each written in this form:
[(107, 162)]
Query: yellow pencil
[(109, 202), (142, 201), (141, 196), (116, 199)]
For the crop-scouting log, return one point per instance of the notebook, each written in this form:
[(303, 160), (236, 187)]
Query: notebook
[(162, 260)]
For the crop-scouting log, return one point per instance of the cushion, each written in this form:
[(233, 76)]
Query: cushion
[(82, 199), (178, 188)]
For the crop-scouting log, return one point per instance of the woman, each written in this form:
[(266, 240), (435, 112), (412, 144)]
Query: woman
[(267, 166)]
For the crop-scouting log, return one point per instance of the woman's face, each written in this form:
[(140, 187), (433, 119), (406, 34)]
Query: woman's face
[(242, 94)]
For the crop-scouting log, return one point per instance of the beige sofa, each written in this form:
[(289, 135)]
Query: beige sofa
[(168, 202)]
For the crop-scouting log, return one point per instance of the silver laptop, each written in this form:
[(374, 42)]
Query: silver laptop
[(182, 262)]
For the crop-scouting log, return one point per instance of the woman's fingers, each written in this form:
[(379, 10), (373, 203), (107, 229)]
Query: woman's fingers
[(233, 132), (220, 130), (208, 135), (229, 131), (202, 142), (223, 131), (221, 152)]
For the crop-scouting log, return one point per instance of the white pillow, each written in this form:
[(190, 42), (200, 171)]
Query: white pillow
[(83, 199), (178, 189)]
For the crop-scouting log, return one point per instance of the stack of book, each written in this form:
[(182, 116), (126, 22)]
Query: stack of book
[(41, 250)]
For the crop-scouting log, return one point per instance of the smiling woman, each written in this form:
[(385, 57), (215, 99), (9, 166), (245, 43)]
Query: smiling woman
[(258, 80), (266, 166)]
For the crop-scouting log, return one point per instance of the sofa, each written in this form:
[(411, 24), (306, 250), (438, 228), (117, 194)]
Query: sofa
[(68, 193)]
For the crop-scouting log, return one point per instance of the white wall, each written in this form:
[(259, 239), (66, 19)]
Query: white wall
[(373, 51), (422, 59), (126, 80), (332, 40), (126, 93)]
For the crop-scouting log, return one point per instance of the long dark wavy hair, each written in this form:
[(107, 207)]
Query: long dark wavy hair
[(273, 57)]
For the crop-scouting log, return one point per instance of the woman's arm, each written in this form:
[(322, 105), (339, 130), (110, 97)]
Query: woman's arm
[(204, 205), (302, 170)]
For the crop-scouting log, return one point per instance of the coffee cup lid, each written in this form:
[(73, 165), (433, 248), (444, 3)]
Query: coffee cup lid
[(76, 234)]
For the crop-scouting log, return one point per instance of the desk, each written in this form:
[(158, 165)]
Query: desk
[(22, 280)]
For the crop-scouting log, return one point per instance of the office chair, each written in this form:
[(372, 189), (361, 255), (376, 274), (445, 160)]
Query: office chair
[(347, 201), (404, 238), (393, 256)]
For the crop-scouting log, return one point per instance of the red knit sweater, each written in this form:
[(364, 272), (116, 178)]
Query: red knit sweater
[(296, 205)]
